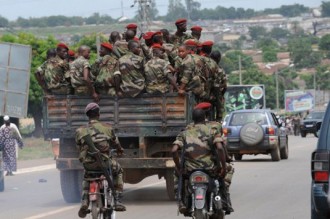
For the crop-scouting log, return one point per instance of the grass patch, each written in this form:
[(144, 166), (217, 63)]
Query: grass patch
[(35, 148)]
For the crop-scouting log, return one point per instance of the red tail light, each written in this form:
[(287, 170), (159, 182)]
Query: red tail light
[(92, 187), (320, 167), (226, 131), (270, 131)]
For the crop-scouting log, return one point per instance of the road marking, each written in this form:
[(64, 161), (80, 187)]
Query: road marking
[(36, 169), (51, 213), (46, 214)]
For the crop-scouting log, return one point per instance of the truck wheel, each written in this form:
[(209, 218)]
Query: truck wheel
[(70, 185), (303, 134), (170, 184), (238, 156), (285, 151), (2, 181), (275, 153)]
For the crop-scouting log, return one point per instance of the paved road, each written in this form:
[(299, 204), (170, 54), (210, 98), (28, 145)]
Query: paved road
[(261, 189)]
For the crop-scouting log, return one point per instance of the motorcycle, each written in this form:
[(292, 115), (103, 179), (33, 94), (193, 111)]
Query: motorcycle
[(203, 199), (101, 194)]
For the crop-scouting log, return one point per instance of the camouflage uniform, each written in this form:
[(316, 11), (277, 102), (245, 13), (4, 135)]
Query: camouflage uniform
[(121, 47), (179, 40), (171, 52), (156, 75), (56, 75), (146, 52), (132, 75), (77, 76), (191, 71), (220, 85), (104, 139), (103, 71)]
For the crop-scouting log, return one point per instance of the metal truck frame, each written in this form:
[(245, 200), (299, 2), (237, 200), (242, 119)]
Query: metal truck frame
[(146, 126)]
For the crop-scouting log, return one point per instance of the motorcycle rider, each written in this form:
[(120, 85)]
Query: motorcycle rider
[(195, 140), (103, 139)]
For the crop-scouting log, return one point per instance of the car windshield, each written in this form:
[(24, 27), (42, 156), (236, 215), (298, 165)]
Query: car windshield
[(315, 115), (241, 118)]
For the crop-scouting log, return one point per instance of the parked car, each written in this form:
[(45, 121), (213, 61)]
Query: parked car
[(255, 131), (311, 122), (320, 171)]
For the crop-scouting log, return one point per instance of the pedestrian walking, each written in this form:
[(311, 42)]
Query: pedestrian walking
[(9, 136)]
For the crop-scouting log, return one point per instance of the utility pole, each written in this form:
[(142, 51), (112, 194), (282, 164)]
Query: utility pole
[(277, 98), (314, 86), (144, 14), (240, 69)]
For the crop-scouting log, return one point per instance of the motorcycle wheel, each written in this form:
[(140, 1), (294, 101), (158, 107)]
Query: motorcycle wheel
[(199, 214), (96, 209)]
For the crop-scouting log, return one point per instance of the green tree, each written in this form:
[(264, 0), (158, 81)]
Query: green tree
[(279, 33), (325, 8), (3, 22), (322, 78), (175, 10), (325, 42), (257, 32), (269, 55)]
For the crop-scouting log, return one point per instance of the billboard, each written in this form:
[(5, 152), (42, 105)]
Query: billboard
[(15, 63), (297, 100), (245, 97)]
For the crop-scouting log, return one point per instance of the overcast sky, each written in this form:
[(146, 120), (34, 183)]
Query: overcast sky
[(12, 9)]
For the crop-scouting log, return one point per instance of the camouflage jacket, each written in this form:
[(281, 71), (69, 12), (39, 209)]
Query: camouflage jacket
[(131, 68), (191, 71), (196, 140), (121, 47), (156, 75), (102, 136), (56, 72), (103, 71), (77, 71), (179, 40)]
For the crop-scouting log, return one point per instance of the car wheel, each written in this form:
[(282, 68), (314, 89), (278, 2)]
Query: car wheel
[(275, 154), (251, 134), (303, 134), (238, 156), (314, 214), (285, 151)]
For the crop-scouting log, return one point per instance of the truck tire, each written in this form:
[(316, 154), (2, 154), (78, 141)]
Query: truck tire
[(303, 134), (251, 134), (70, 185), (275, 154), (2, 181), (170, 184), (285, 151)]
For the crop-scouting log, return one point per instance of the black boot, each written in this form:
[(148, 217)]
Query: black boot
[(83, 211), (227, 205), (119, 206)]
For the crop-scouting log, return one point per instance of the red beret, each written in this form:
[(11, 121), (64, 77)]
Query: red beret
[(148, 35), (180, 21), (190, 43), (157, 33), (131, 26), (203, 106), (62, 45), (207, 43), (196, 28), (107, 45), (136, 39), (157, 46), (71, 53), (91, 106)]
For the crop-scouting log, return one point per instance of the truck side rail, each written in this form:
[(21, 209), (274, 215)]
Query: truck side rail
[(145, 115)]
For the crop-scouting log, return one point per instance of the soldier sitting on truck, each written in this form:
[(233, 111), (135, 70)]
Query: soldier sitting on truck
[(104, 69), (56, 72), (103, 139), (159, 72), (80, 74), (40, 73), (131, 68)]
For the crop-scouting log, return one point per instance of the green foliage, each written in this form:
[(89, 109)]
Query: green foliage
[(175, 10), (257, 32), (269, 55), (325, 43), (279, 33), (267, 43), (322, 78), (288, 10), (325, 8), (3, 22)]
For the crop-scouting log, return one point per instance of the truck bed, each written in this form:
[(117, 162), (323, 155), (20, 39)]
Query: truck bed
[(146, 115)]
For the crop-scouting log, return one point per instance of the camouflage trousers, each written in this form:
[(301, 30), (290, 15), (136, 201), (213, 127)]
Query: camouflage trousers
[(108, 91), (117, 173), (64, 90), (82, 90)]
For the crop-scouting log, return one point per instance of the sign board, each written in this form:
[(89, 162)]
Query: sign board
[(245, 97), (15, 63), (297, 100)]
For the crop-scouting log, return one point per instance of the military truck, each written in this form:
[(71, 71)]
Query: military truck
[(146, 126)]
